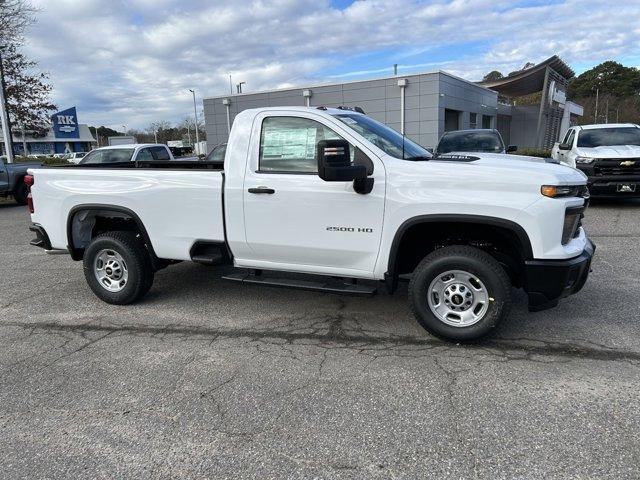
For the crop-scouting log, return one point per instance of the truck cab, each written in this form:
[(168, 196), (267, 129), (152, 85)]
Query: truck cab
[(336, 194)]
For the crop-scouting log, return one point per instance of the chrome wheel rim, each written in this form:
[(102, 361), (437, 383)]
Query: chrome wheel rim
[(458, 298), (110, 270)]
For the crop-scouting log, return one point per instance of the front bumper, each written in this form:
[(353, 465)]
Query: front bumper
[(547, 281)]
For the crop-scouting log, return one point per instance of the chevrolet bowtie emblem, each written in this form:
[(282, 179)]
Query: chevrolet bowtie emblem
[(628, 163)]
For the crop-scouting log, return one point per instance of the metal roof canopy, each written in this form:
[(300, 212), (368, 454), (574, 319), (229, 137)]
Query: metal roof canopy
[(530, 80)]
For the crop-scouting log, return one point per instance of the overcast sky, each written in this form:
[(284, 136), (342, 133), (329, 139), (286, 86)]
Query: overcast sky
[(132, 62)]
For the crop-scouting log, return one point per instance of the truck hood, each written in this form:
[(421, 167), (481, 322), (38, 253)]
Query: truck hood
[(504, 157), (538, 170), (614, 151)]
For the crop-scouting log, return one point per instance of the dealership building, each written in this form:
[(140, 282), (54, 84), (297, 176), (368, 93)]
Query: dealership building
[(66, 135), (424, 106)]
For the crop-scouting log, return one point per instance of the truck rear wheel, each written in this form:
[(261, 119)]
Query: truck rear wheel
[(117, 267), (460, 293)]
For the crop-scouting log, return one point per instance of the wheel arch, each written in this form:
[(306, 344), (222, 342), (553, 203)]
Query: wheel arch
[(516, 231), (94, 211)]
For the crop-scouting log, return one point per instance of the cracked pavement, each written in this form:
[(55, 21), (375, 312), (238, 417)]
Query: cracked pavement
[(207, 378)]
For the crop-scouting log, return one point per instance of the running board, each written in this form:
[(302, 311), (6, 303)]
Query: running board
[(328, 287), (208, 259)]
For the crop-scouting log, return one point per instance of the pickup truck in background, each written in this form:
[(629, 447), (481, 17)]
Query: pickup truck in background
[(608, 154), (12, 180), (137, 152), (474, 140), (337, 195)]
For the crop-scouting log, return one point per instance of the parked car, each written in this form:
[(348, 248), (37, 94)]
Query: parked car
[(12, 180), (476, 140), (333, 193), (138, 152), (74, 157), (608, 154)]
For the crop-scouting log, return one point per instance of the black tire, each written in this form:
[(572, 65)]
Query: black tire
[(21, 192), (471, 260), (137, 261)]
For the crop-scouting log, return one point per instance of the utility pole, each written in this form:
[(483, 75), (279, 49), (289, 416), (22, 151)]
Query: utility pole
[(24, 141), (595, 116), (155, 135), (606, 115), (195, 115), (4, 117)]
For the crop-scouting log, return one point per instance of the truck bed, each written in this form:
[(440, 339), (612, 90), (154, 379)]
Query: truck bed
[(177, 202)]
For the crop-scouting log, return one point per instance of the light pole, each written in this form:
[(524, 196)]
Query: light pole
[(124, 128), (239, 86), (195, 114)]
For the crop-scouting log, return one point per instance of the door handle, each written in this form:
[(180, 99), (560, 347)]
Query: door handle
[(266, 190)]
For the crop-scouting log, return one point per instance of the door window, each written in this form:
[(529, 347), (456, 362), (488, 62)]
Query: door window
[(572, 135), (160, 153), (288, 144), (144, 155)]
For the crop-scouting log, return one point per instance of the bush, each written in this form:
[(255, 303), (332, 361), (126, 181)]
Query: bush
[(534, 152)]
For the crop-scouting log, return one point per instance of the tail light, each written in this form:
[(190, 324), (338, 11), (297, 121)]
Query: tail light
[(28, 181)]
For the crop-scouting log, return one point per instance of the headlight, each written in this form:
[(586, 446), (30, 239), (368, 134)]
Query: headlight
[(584, 160), (554, 191)]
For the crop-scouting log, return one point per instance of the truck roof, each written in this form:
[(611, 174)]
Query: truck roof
[(595, 126), (131, 145), (319, 108)]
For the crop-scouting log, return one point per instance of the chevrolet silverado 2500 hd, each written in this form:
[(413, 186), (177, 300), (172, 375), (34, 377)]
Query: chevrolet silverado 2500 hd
[(333, 193), (608, 154)]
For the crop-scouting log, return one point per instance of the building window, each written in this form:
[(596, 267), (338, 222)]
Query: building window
[(473, 120), (451, 120), (486, 121)]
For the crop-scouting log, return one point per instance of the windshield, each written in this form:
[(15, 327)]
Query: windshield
[(478, 141), (108, 156), (383, 137), (604, 137)]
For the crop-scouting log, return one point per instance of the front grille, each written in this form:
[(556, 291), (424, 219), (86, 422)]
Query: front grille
[(572, 224), (618, 166)]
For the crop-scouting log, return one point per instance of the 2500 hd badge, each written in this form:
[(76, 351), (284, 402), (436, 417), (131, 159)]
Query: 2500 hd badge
[(350, 229)]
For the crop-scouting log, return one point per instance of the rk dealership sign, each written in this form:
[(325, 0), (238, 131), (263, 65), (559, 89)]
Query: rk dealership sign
[(65, 124)]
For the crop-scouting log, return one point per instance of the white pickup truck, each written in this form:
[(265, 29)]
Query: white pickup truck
[(608, 154), (134, 152), (335, 194)]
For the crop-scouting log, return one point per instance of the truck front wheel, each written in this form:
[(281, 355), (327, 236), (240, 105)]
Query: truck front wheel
[(117, 267), (460, 293)]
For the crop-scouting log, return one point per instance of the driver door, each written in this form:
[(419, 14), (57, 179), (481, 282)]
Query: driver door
[(294, 220)]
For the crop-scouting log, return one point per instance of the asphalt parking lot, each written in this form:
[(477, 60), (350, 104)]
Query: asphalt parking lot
[(207, 378)]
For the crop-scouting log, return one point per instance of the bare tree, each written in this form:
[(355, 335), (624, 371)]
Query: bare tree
[(26, 90), (15, 16)]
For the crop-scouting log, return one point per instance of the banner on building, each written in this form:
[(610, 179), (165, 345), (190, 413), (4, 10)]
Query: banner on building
[(65, 124)]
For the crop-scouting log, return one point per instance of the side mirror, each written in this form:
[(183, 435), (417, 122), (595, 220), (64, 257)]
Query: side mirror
[(334, 162), (564, 146), (512, 148)]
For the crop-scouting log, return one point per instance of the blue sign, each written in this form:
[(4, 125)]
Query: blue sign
[(65, 124)]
